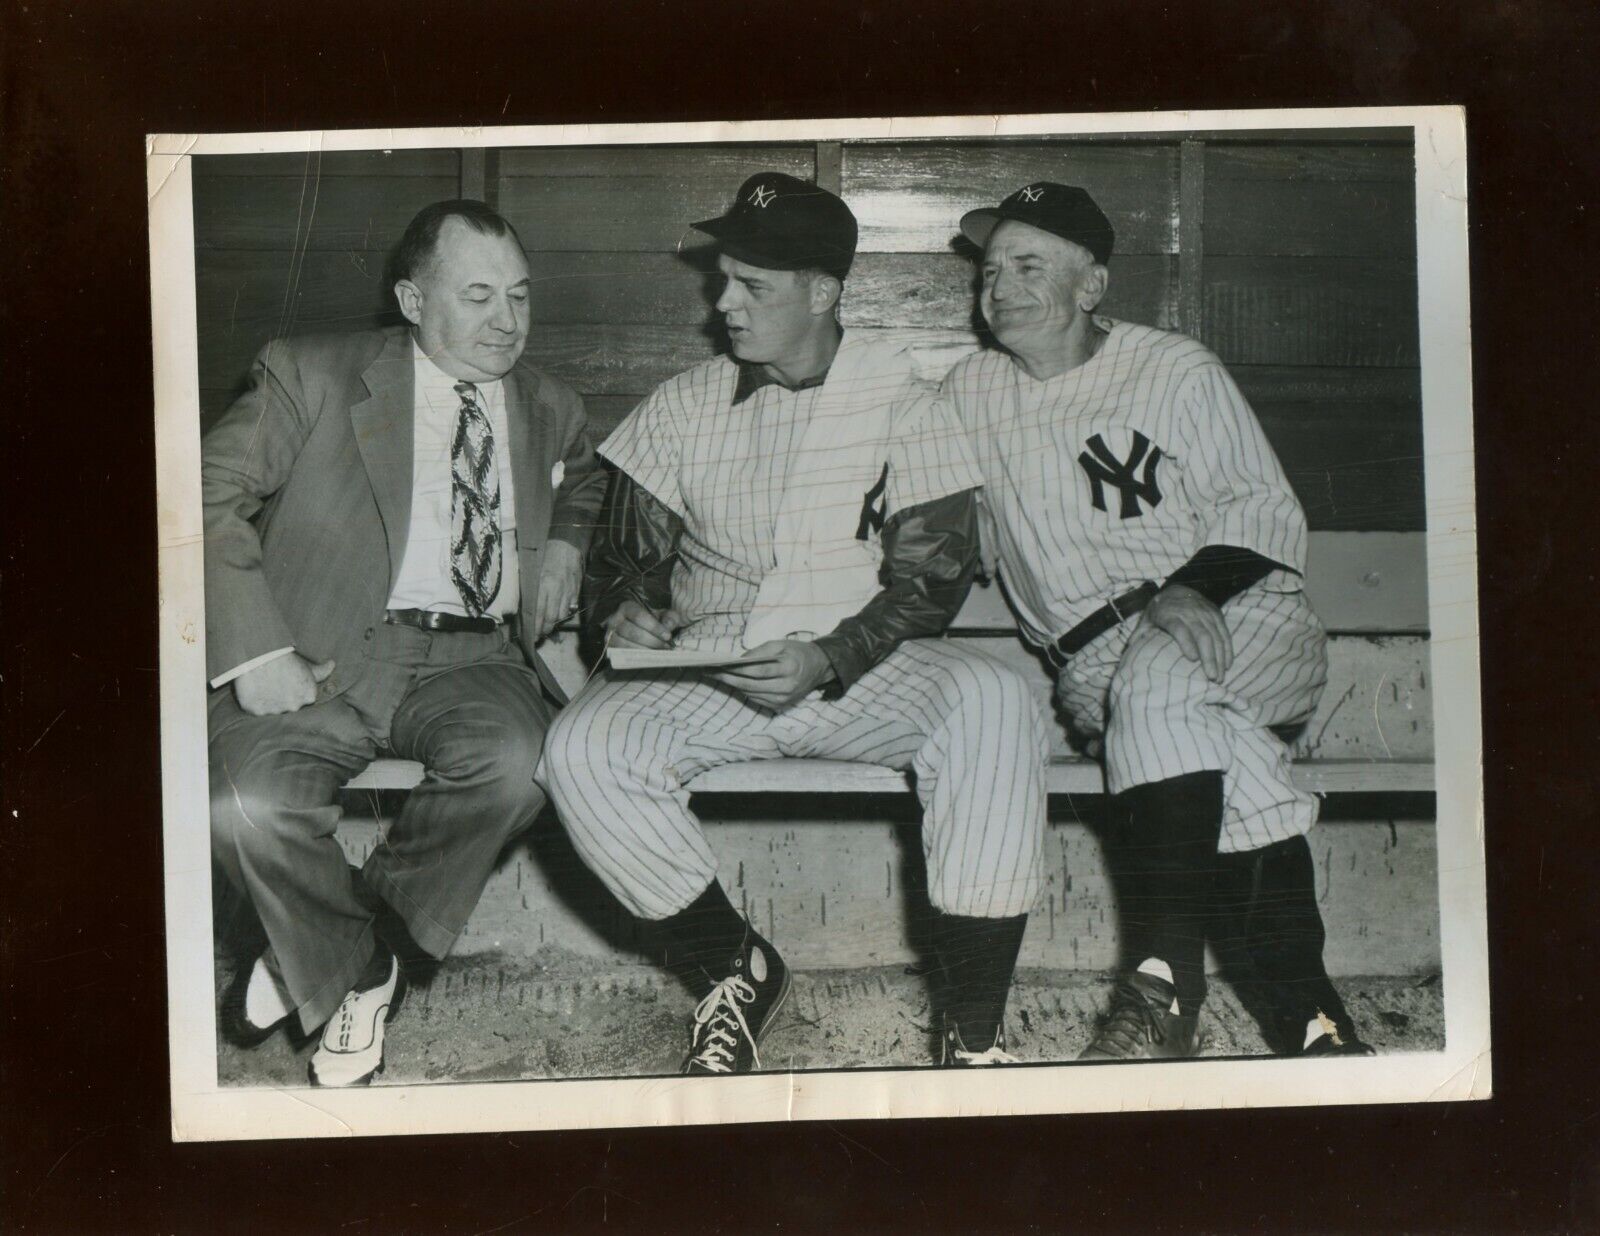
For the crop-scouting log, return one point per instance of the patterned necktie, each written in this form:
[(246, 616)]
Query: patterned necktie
[(474, 506)]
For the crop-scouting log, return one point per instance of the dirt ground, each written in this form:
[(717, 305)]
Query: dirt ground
[(488, 1018)]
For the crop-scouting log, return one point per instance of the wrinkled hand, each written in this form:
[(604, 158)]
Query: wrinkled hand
[(777, 674), (635, 625), (1196, 624), (559, 578), (283, 684)]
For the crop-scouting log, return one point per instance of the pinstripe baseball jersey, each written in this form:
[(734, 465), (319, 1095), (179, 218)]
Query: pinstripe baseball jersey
[(724, 468), (1118, 471)]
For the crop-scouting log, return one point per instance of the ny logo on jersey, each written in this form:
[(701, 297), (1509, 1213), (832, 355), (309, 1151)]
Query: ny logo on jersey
[(1104, 468), (873, 505)]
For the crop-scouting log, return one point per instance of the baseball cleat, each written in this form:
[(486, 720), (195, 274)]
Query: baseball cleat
[(350, 1052), (1142, 1026), (738, 1013), (955, 1054)]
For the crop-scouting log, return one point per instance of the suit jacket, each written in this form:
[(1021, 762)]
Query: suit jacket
[(306, 482)]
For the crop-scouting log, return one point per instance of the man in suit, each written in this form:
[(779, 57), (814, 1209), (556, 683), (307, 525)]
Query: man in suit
[(393, 520)]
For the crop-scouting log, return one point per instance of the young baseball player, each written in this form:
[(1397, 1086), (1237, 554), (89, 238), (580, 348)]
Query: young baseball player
[(1154, 551), (804, 505)]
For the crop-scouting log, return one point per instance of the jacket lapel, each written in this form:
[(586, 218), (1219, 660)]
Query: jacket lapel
[(531, 427), (529, 424), (383, 427)]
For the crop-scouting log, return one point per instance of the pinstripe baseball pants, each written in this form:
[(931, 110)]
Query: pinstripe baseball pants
[(618, 757), (1163, 718)]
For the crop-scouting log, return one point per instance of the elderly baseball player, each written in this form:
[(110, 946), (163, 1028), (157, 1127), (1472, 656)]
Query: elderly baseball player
[(1153, 550), (804, 506)]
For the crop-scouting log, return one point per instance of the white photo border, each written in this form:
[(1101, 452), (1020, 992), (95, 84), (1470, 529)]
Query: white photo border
[(201, 1110)]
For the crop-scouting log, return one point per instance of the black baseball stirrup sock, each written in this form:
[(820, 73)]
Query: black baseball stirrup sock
[(978, 957), (1165, 857), (1272, 896), (705, 936)]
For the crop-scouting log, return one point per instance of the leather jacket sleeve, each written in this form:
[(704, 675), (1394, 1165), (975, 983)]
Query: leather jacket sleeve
[(930, 553), (634, 549)]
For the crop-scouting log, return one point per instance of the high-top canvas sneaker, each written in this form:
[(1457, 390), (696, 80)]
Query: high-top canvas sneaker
[(732, 1020)]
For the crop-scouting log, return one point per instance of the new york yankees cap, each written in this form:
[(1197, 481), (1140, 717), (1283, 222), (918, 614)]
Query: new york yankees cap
[(777, 222), (1062, 210)]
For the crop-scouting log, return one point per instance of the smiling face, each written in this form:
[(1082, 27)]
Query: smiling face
[(469, 303), (1037, 288), (772, 316)]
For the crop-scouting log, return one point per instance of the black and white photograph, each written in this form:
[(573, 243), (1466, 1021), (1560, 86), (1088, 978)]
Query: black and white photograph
[(759, 621)]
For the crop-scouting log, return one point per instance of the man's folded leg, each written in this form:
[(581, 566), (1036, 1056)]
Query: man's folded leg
[(615, 764), (1267, 902), (274, 789), (1163, 858), (479, 731), (977, 738)]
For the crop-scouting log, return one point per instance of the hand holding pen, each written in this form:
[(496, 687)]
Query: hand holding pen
[(636, 625)]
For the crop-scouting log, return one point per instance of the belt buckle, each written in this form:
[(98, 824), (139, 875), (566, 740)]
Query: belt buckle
[(1133, 594)]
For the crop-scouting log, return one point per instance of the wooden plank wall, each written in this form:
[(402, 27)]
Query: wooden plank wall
[(1293, 257), (288, 244), (624, 285)]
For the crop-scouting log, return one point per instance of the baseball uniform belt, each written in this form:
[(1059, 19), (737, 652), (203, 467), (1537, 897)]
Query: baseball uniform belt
[(1098, 623), (433, 620)]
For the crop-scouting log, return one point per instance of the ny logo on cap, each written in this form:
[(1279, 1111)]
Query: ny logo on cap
[(761, 195), (1031, 194)]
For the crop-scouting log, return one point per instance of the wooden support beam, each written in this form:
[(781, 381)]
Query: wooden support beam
[(1191, 237), (474, 173), (830, 166)]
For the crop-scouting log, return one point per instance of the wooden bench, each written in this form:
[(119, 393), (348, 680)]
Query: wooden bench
[(1064, 776), (828, 874), (1369, 589)]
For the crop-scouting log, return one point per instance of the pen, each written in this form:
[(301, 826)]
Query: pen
[(699, 618)]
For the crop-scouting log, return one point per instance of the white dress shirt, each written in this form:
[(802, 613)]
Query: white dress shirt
[(424, 580)]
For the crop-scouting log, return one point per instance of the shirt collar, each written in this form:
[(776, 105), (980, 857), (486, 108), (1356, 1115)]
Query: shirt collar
[(753, 377), (436, 387)]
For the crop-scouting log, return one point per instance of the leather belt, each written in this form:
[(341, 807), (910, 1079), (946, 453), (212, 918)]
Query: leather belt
[(1116, 610), (433, 620)]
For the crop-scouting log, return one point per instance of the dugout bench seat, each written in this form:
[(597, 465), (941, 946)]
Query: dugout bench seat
[(813, 860), (1369, 589)]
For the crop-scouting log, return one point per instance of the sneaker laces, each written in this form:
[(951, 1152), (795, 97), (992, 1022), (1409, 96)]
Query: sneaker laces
[(720, 1023), (1130, 1025), (993, 1056)]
